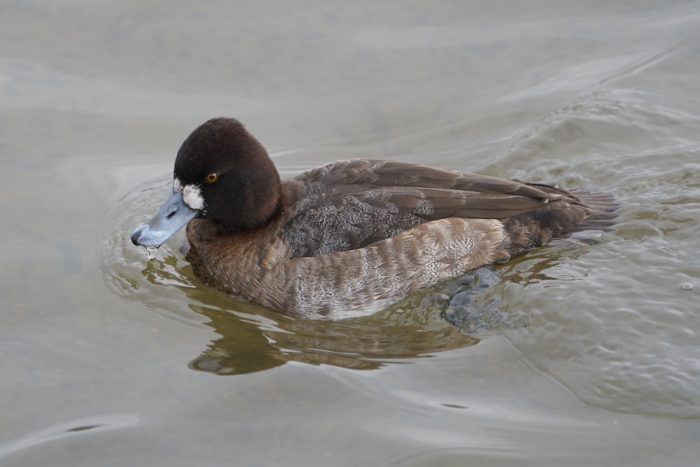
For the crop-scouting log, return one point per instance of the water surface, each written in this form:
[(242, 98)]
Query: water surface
[(587, 355)]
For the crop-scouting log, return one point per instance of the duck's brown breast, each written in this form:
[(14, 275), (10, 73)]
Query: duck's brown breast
[(348, 283)]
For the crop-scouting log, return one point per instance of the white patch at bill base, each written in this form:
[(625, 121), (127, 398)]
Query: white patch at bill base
[(192, 196), (177, 185)]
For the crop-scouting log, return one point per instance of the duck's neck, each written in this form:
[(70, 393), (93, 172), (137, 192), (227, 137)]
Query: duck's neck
[(258, 202)]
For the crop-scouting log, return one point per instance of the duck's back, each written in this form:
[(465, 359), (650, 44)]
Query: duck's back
[(349, 205)]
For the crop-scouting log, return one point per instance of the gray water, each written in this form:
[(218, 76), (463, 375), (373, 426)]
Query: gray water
[(109, 358)]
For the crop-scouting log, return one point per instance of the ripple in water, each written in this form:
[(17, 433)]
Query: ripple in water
[(617, 325), (73, 428)]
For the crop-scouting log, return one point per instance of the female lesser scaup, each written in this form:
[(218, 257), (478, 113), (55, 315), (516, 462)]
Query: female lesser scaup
[(352, 237)]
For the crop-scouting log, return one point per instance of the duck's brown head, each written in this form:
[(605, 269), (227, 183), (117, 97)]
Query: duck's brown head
[(221, 173)]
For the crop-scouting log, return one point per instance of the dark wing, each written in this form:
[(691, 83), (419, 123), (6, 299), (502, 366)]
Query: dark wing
[(351, 204), (376, 173)]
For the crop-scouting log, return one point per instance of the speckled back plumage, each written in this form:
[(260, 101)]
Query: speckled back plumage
[(351, 204)]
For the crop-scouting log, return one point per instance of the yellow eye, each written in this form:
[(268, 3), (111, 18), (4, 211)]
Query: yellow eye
[(211, 178)]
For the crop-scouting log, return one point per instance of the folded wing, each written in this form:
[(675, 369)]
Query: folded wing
[(351, 204)]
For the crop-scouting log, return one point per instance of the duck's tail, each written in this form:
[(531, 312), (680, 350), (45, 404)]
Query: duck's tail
[(604, 206), (576, 211)]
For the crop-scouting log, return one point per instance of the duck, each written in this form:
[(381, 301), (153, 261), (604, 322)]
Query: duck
[(352, 237)]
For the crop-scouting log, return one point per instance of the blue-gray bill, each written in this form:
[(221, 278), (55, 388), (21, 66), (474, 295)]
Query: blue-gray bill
[(171, 217)]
